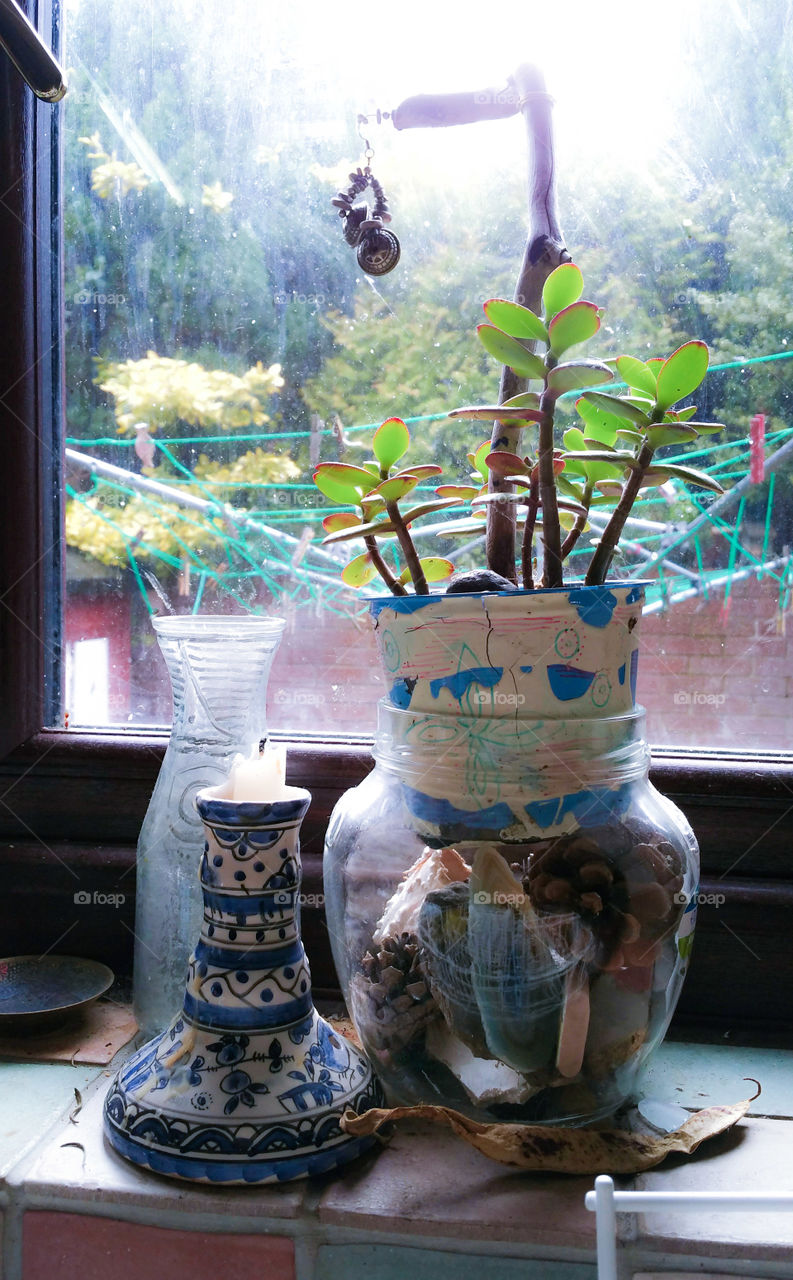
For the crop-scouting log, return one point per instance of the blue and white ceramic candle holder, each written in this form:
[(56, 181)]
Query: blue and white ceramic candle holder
[(248, 1083)]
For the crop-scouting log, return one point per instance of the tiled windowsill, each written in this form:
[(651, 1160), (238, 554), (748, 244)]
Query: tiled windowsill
[(424, 1207)]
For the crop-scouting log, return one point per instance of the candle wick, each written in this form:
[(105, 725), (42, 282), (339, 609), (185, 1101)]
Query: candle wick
[(262, 745)]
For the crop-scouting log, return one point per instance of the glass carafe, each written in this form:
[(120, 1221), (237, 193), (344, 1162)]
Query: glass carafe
[(219, 667)]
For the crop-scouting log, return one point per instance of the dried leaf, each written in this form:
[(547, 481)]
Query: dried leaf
[(538, 1147)]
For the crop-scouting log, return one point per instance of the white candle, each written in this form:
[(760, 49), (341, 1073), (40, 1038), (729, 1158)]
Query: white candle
[(259, 778)]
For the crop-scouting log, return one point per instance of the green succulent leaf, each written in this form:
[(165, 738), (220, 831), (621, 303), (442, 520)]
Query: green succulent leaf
[(576, 374), (618, 460), (510, 352), (341, 482), (685, 415), (359, 571), (373, 468), (609, 488), (515, 320), (638, 375), (600, 424), (574, 325), (391, 442), (654, 364), (707, 428), (681, 373), (422, 472), (477, 460), (632, 437), (564, 286), (671, 471), (397, 487), (435, 569), (573, 438), (617, 406), (427, 508), (504, 463), (663, 434), (463, 492), (497, 413), (377, 528), (340, 520), (526, 400)]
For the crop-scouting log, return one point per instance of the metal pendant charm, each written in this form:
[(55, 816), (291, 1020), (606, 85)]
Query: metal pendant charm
[(378, 251)]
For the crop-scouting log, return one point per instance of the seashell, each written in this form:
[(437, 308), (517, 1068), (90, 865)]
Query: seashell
[(435, 869), (378, 252)]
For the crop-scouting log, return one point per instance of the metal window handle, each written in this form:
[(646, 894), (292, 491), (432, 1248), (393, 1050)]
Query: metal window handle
[(29, 54)]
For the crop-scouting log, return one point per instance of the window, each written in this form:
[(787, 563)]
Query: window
[(699, 247)]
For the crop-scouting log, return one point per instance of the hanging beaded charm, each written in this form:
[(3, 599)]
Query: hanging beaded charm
[(378, 249)]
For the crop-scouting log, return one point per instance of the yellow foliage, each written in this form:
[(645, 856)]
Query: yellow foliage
[(215, 198), (113, 176), (253, 467), (160, 391)]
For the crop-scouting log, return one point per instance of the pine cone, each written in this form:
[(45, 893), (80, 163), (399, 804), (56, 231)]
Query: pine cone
[(391, 999), (573, 874)]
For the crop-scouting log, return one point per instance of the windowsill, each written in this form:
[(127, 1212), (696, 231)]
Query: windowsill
[(426, 1203)]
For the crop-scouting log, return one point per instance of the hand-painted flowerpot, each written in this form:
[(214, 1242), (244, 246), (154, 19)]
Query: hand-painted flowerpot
[(248, 1083), (510, 901)]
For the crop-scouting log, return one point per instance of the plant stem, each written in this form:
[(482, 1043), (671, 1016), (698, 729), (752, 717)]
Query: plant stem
[(527, 548), (604, 552), (545, 250), (580, 522), (391, 581), (551, 535), (408, 549)]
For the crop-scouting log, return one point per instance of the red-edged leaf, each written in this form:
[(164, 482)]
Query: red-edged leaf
[(342, 482), (341, 520), (391, 442), (564, 285), (510, 352), (496, 413), (504, 463), (461, 491), (575, 324), (681, 373), (515, 320), (359, 571)]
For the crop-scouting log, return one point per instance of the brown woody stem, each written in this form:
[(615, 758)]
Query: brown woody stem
[(391, 581), (545, 250), (551, 534), (604, 552), (527, 547), (408, 550)]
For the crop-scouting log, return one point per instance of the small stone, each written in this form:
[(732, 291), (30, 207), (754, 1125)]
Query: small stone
[(478, 581)]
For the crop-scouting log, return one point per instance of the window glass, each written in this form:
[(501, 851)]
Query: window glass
[(221, 338)]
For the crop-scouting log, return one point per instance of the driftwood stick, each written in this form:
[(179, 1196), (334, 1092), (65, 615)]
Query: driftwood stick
[(545, 250)]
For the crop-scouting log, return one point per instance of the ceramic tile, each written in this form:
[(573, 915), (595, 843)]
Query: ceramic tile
[(393, 1262), (75, 1247), (427, 1182), (754, 1156), (92, 1171), (32, 1097), (706, 1075)]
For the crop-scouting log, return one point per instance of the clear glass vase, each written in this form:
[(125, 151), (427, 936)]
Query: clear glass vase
[(510, 901), (219, 667)]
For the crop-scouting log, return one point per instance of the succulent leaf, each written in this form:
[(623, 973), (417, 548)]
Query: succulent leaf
[(564, 286), (359, 571), (510, 352), (391, 442), (681, 373), (574, 325), (517, 321), (638, 375), (577, 374)]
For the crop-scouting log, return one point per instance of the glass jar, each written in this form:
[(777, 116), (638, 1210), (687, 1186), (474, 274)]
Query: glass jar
[(510, 900), (219, 667)]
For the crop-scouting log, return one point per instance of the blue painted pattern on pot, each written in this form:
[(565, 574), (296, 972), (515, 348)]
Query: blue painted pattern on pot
[(503, 653), (248, 1083)]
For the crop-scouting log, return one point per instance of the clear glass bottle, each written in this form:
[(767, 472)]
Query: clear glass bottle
[(511, 904), (219, 667)]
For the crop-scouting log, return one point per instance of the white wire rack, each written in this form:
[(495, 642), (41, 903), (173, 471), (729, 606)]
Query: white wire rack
[(606, 1203)]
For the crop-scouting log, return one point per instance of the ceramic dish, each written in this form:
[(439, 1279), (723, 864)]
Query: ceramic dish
[(40, 993)]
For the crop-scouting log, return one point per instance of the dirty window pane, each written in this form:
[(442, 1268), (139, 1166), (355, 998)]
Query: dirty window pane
[(221, 338)]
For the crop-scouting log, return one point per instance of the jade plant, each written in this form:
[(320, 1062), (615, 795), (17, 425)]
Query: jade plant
[(603, 461)]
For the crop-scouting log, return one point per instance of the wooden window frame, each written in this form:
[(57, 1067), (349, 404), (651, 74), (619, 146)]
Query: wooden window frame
[(71, 803)]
